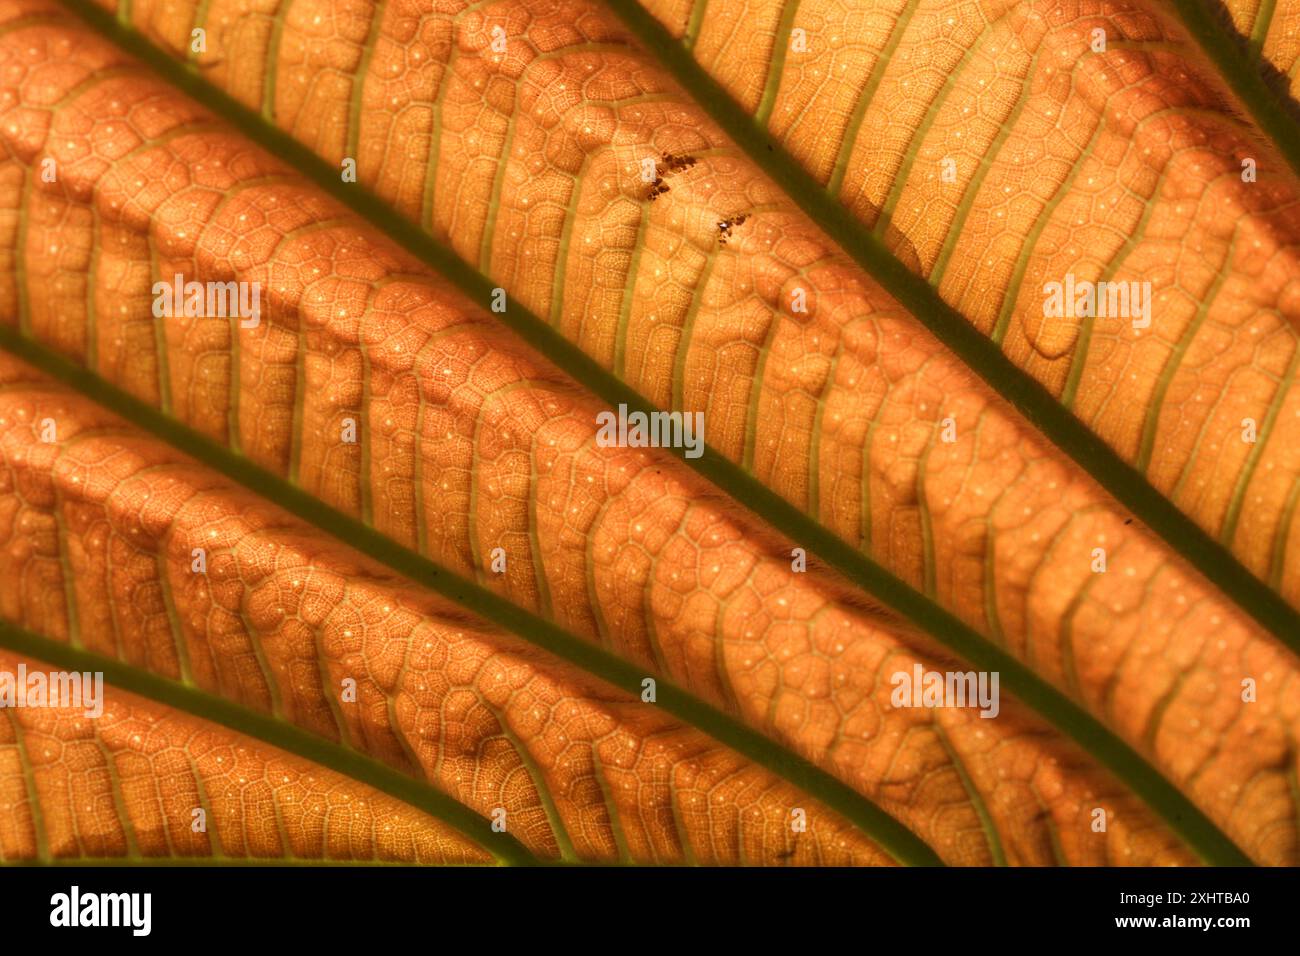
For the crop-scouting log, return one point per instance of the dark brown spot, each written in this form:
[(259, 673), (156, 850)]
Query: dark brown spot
[(727, 225)]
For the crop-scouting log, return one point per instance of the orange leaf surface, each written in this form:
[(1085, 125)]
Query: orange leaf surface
[(127, 783), (280, 618), (949, 520)]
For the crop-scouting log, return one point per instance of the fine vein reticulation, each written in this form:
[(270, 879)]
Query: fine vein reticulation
[(524, 161)]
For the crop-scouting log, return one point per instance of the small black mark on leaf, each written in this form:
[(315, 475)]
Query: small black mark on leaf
[(725, 227), (677, 164), (671, 164)]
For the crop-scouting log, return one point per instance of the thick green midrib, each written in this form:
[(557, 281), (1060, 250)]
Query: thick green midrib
[(1128, 486), (885, 830), (1035, 403), (1267, 108), (1144, 780), (294, 740)]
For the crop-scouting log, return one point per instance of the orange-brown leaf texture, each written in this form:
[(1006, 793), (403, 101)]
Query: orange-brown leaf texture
[(371, 582)]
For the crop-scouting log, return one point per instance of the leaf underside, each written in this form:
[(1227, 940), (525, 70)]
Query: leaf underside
[(839, 264)]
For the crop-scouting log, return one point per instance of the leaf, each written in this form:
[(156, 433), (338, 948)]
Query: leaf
[(280, 618), (126, 784), (824, 426), (1097, 197), (1270, 30)]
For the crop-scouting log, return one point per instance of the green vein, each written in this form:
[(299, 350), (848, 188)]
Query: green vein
[(359, 82), (1267, 109), (553, 818), (1257, 450), (987, 159), (33, 797), (1259, 32), (215, 847), (92, 273), (981, 809), (1083, 340), (1151, 419), (780, 46), (534, 536), (327, 684), (814, 451), (1044, 217), (991, 614), (694, 23), (927, 531), (20, 250), (119, 804), (435, 135), (982, 356), (891, 835), (273, 54), (1155, 718), (864, 99), (494, 203), (499, 394), (200, 21), (65, 571), (173, 625), (286, 737), (1131, 488), (562, 252), (160, 339), (1280, 536), (629, 290), (611, 808), (365, 480), (917, 141), (754, 408), (688, 324), (299, 411)]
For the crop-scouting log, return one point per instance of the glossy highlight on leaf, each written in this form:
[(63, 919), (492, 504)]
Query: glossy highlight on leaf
[(943, 527)]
